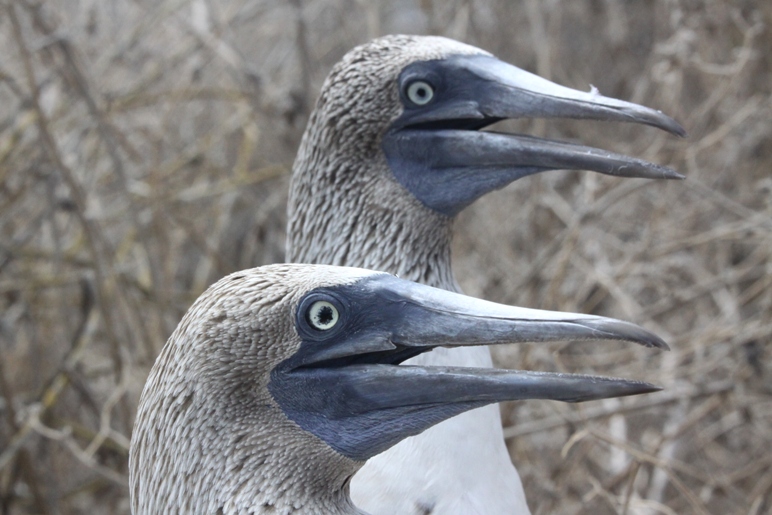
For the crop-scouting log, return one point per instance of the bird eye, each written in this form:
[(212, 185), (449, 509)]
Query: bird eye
[(420, 92), (322, 315)]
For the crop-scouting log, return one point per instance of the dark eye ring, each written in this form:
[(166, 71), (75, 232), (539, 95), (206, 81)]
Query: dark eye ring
[(420, 92)]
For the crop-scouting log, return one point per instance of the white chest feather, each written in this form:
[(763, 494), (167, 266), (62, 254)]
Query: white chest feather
[(460, 466)]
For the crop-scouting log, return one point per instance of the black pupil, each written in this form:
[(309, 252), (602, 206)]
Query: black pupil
[(421, 92), (324, 315)]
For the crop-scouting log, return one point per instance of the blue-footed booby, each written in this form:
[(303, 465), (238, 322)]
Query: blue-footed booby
[(392, 152), (281, 381)]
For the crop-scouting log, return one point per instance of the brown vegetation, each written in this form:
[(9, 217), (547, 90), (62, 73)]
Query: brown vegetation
[(145, 148)]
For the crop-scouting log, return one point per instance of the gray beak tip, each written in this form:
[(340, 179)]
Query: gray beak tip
[(673, 127), (654, 341), (610, 329), (669, 173), (579, 388), (643, 388), (657, 344), (647, 388), (627, 388)]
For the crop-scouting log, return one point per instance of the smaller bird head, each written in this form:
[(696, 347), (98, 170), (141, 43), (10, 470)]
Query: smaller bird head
[(290, 375), (394, 150), (416, 104)]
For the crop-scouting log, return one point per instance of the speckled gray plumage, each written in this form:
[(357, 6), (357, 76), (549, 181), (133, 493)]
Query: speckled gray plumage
[(346, 208), (208, 437)]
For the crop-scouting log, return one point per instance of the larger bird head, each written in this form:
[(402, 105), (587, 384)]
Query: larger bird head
[(280, 381), (401, 116)]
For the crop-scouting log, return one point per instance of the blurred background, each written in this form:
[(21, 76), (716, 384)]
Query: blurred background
[(145, 152)]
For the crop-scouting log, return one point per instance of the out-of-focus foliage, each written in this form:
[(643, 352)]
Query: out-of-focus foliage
[(145, 148)]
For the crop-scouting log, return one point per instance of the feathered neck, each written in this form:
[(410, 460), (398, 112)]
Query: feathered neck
[(350, 211)]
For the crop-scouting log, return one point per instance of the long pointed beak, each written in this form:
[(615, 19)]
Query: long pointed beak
[(386, 320), (409, 318), (438, 153), (516, 93), (381, 388)]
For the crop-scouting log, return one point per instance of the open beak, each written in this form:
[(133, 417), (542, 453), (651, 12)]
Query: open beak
[(438, 153), (352, 384)]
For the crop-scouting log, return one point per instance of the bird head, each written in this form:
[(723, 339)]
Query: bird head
[(410, 109), (292, 373)]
